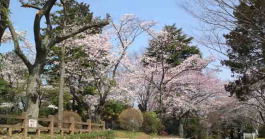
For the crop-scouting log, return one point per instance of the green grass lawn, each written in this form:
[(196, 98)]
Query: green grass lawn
[(136, 135), (130, 134), (113, 134)]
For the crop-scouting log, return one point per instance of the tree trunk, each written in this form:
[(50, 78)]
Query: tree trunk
[(99, 110), (102, 100), (62, 71), (142, 107), (181, 130), (31, 92), (61, 87)]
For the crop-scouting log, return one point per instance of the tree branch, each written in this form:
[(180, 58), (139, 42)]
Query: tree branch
[(18, 51), (26, 5), (37, 35), (93, 26), (44, 11)]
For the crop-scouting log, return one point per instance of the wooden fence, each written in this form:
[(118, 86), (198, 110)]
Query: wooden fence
[(70, 127)]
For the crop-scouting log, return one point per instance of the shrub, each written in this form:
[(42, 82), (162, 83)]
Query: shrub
[(131, 119), (171, 125), (67, 115), (262, 131), (112, 110), (194, 128), (152, 123)]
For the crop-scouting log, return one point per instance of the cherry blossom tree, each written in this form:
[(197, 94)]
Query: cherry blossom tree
[(83, 73), (186, 89), (93, 62), (123, 35), (13, 75), (12, 69), (177, 82), (173, 89), (44, 40)]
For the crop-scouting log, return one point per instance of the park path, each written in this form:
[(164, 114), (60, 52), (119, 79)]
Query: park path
[(148, 137)]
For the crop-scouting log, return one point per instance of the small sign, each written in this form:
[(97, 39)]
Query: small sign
[(33, 123)]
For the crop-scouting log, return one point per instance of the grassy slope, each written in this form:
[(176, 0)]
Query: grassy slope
[(119, 134), (136, 135), (131, 135)]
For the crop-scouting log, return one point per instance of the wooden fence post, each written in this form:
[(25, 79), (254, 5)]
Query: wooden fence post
[(89, 125), (38, 132), (72, 125), (25, 124), (10, 131), (103, 125), (51, 125)]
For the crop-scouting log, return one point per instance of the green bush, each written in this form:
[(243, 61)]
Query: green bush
[(262, 131), (131, 119), (171, 125), (111, 112), (112, 109), (152, 123), (194, 128)]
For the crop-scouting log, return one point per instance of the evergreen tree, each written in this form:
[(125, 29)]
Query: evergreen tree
[(171, 46), (246, 51), (4, 5)]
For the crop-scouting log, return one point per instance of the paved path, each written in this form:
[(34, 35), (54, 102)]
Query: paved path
[(152, 138)]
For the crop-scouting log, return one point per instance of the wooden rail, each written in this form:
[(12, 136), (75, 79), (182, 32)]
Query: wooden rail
[(74, 126)]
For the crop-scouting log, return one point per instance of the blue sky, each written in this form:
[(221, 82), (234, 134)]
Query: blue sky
[(164, 12)]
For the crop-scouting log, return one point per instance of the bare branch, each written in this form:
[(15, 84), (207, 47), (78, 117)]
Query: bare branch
[(18, 51), (26, 5), (93, 26)]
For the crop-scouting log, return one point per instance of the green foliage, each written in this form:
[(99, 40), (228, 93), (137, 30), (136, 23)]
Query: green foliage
[(4, 12), (112, 109), (174, 50), (4, 87), (246, 52), (171, 125), (45, 111), (8, 93), (262, 131), (50, 96), (113, 82), (193, 128), (12, 84), (131, 119), (90, 90), (73, 14), (151, 124)]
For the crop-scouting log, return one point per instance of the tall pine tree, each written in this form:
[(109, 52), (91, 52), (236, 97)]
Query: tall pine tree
[(171, 46), (4, 11), (246, 51)]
